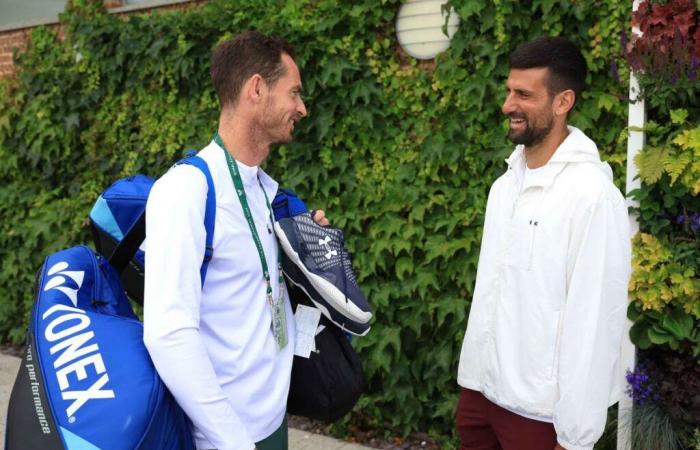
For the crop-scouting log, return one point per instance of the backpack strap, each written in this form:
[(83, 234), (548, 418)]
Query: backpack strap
[(133, 238), (209, 212)]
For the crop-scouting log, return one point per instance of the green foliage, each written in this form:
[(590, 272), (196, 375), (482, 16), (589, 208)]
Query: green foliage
[(666, 389), (665, 284), (400, 153), (670, 327), (654, 428), (666, 52), (673, 150), (696, 439), (665, 274)]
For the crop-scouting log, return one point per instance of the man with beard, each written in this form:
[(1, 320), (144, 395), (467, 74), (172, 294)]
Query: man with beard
[(540, 359), (224, 348)]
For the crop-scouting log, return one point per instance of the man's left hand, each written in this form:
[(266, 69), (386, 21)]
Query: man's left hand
[(558, 447)]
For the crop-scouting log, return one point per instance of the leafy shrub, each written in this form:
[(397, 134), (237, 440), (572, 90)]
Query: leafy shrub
[(400, 153), (666, 53), (666, 392), (665, 285)]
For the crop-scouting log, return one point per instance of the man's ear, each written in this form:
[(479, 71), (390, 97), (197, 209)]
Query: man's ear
[(564, 101), (255, 88)]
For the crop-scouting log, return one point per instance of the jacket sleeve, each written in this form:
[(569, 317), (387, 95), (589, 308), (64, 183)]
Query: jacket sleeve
[(598, 270), (174, 251)]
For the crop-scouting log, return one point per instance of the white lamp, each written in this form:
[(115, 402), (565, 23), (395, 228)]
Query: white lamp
[(419, 28)]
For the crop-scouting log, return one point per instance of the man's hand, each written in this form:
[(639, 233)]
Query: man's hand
[(558, 447), (320, 217)]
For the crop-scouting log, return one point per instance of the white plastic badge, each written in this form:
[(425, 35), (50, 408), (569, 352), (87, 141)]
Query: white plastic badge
[(306, 319), (279, 324)]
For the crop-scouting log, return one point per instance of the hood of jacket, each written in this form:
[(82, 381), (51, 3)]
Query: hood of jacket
[(576, 148)]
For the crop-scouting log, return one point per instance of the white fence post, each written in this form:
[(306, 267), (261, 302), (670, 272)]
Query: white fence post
[(635, 142)]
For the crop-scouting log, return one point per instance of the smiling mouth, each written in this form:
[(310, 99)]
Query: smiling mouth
[(517, 123), (293, 121)]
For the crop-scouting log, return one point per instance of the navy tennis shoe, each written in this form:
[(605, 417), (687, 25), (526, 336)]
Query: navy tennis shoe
[(317, 262)]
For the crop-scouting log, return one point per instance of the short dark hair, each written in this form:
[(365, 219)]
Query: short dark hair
[(239, 58), (567, 67)]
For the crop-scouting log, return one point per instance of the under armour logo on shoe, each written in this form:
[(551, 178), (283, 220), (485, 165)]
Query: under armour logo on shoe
[(330, 253)]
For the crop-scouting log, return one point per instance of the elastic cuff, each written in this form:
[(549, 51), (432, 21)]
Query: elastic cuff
[(569, 446)]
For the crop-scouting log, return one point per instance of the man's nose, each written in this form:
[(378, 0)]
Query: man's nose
[(508, 105), (301, 108)]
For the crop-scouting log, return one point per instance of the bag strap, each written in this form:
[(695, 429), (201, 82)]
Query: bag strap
[(127, 247), (133, 238), (209, 212)]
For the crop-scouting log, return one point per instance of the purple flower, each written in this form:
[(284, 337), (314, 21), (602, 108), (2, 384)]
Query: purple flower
[(695, 222), (680, 218), (693, 71), (623, 42), (613, 72), (640, 388)]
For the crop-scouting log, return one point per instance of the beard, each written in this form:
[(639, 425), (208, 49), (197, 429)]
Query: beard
[(532, 134), (276, 127)]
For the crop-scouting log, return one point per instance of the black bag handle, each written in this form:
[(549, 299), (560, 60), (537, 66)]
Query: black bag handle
[(126, 249)]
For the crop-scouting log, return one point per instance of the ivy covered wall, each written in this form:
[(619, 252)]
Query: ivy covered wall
[(399, 153)]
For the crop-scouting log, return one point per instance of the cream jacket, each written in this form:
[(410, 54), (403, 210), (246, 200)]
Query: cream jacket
[(548, 311)]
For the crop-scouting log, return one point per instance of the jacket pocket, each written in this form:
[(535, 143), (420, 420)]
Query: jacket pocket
[(521, 243), (557, 323)]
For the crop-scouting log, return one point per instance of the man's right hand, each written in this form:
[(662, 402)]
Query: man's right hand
[(319, 217)]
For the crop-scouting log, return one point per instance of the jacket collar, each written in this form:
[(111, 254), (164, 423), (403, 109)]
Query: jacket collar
[(577, 147)]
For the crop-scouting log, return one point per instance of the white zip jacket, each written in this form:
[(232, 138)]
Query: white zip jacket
[(546, 322), (213, 345)]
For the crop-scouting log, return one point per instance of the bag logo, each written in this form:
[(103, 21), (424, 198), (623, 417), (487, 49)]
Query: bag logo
[(58, 282), (76, 357), (329, 253)]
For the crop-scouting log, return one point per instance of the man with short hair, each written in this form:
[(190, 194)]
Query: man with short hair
[(225, 348), (540, 359)]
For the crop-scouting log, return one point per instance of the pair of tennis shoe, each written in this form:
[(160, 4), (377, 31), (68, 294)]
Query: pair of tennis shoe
[(315, 260)]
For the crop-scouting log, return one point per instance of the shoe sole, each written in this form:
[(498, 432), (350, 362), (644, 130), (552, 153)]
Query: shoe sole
[(342, 325), (336, 299)]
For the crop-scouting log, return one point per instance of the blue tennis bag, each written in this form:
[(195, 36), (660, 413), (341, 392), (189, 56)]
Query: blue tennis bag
[(118, 223), (87, 381)]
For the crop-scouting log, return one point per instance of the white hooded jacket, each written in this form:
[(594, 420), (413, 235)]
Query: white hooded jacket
[(547, 315)]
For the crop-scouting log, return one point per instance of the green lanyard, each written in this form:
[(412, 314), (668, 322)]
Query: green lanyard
[(240, 190)]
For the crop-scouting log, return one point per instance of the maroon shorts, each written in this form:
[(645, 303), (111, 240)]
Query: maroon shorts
[(483, 425)]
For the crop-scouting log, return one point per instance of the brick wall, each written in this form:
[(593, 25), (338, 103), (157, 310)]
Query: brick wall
[(17, 39), (9, 42)]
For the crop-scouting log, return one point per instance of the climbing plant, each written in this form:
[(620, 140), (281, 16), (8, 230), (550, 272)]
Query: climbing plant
[(400, 153), (665, 285)]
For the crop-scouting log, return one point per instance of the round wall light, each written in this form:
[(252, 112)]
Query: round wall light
[(419, 28)]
